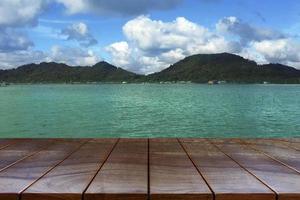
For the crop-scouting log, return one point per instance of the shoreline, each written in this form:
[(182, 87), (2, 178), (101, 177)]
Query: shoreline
[(147, 83)]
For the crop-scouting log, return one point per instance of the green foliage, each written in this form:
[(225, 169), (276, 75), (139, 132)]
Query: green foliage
[(61, 73), (226, 67), (198, 68)]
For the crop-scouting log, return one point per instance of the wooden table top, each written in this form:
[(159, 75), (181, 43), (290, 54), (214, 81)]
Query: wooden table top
[(142, 169)]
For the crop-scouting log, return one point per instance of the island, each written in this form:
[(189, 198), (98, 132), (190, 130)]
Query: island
[(200, 68)]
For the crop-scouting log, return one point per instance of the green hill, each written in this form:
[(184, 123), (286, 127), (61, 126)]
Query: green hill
[(197, 68), (228, 67), (61, 73)]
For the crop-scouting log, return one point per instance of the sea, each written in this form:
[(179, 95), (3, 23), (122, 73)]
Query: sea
[(149, 110)]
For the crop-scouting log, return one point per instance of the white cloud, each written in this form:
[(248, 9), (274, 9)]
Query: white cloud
[(245, 31), (116, 7), (81, 33), (120, 52), (20, 12), (170, 56), (67, 55), (15, 46), (11, 40), (72, 56), (286, 51), (13, 15), (18, 58), (75, 6), (152, 45), (149, 45), (149, 34), (251, 54), (261, 44)]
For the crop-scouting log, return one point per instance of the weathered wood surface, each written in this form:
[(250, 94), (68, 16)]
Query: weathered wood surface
[(6, 142), (292, 143), (277, 150), (17, 178), (69, 179), (20, 150), (172, 174), (226, 178), (124, 175), (156, 169), (284, 181)]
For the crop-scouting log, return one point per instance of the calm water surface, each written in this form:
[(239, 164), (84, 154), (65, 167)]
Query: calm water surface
[(151, 110)]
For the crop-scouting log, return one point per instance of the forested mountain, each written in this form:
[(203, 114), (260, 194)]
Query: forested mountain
[(62, 73), (199, 68), (228, 67)]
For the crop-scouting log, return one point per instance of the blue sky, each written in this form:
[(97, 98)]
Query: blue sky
[(145, 36)]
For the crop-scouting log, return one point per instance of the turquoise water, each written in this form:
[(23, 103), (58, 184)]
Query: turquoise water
[(150, 110)]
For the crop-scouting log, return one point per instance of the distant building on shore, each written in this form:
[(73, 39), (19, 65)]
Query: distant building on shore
[(216, 82)]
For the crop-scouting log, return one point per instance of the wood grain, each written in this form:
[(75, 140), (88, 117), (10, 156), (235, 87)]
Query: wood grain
[(20, 150), (124, 175), (18, 177), (226, 178), (278, 177), (69, 179), (172, 174), (159, 169), (277, 150), (6, 142), (291, 143)]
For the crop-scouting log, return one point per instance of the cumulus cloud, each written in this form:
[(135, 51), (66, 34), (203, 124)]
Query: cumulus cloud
[(121, 53), (261, 44), (15, 46), (15, 13), (116, 7), (245, 31), (67, 55), (81, 33), (11, 40), (152, 45), (286, 51), (72, 56), (14, 59)]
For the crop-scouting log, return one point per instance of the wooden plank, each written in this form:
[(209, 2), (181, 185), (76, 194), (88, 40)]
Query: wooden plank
[(286, 143), (20, 150), (292, 143), (284, 181), (172, 174), (226, 178), (6, 142), (277, 150), (18, 177), (295, 140), (69, 179), (124, 175)]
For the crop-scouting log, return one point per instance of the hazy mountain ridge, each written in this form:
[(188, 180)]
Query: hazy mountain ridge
[(197, 68)]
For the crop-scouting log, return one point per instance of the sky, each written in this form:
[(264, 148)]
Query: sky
[(146, 36)]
